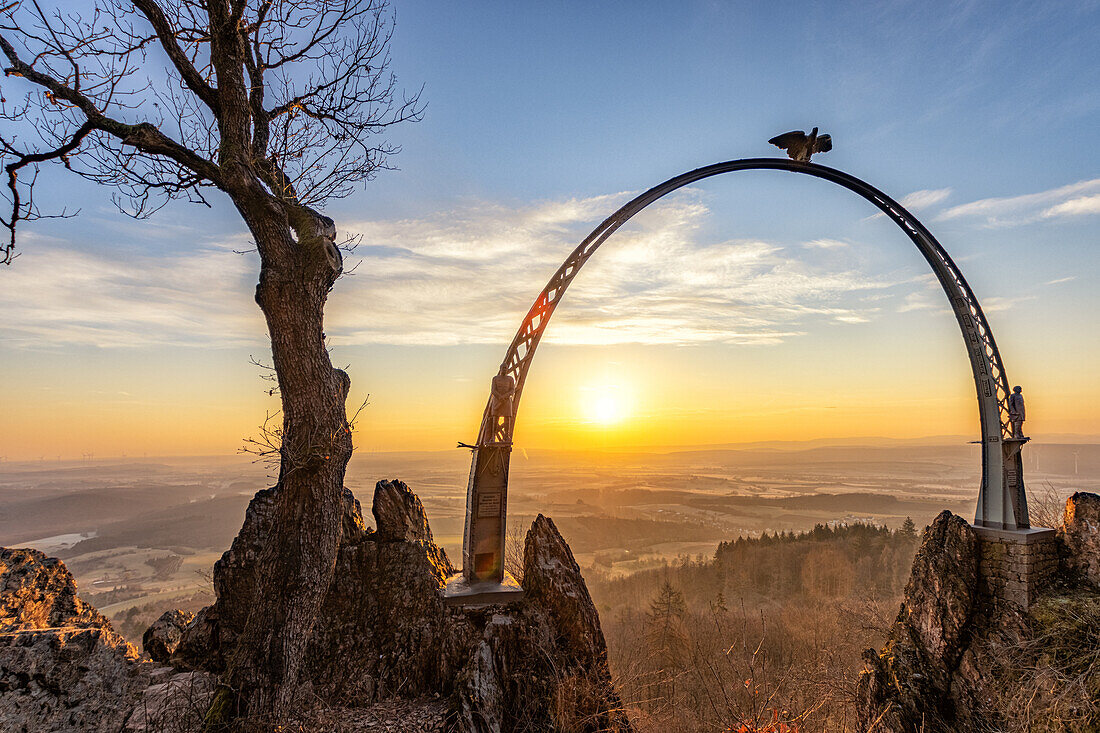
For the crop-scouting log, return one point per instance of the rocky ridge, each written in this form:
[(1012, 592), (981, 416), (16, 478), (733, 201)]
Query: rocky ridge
[(385, 633), (387, 654)]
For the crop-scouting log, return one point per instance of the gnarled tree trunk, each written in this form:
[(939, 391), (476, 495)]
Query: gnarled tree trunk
[(299, 265)]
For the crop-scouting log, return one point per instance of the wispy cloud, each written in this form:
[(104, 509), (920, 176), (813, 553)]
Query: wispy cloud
[(924, 300), (470, 276), (456, 277), (1076, 199), (824, 244), (924, 198), (919, 200), (57, 294), (1075, 207), (1060, 280)]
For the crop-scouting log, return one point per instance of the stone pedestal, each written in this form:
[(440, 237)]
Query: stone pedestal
[(459, 591), (1015, 565)]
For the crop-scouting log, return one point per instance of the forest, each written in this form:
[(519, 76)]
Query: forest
[(764, 636)]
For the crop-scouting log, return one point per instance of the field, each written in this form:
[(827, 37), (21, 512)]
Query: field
[(141, 536)]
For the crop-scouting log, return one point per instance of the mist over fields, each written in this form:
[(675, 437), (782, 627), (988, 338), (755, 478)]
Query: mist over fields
[(141, 536)]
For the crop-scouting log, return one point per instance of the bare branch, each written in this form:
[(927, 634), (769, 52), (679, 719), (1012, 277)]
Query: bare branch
[(267, 98), (167, 35), (25, 209), (143, 135)]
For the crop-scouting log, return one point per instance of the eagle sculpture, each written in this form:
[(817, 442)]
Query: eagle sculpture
[(800, 146)]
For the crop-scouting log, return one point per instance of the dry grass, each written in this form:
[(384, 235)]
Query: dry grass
[(1050, 681)]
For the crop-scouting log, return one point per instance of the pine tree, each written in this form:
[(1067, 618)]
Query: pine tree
[(908, 528)]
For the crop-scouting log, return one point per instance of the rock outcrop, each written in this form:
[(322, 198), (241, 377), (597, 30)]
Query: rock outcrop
[(161, 639), (385, 639), (540, 664), (385, 633), (62, 667), (399, 514), (38, 592), (1080, 532), (215, 629), (174, 703), (957, 660)]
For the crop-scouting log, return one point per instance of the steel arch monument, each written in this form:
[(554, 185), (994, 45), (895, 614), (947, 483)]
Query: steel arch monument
[(1002, 502)]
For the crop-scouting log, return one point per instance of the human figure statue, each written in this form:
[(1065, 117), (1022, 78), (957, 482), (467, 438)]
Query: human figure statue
[(504, 386), (1016, 412)]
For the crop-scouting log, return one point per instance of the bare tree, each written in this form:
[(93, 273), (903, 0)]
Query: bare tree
[(278, 104)]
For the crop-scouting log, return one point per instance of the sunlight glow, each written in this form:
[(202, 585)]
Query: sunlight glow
[(604, 404)]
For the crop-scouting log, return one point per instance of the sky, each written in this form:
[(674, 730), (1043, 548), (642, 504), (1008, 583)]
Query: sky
[(755, 306)]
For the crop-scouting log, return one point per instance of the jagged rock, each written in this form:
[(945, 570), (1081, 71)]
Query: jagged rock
[(909, 684), (942, 592), (383, 623), (38, 592), (68, 679), (163, 636), (62, 667), (399, 513), (384, 631), (554, 584), (1081, 534), (541, 664), (956, 660)]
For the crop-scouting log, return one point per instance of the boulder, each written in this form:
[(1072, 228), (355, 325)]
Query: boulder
[(38, 592), (1080, 533), (161, 639), (176, 705), (399, 514)]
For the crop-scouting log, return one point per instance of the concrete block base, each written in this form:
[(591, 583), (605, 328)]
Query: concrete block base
[(458, 592), (1015, 565)]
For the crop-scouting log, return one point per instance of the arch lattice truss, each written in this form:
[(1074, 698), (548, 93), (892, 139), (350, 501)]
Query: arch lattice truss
[(1002, 503)]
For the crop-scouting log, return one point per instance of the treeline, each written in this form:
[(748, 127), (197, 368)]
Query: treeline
[(764, 636), (859, 561)]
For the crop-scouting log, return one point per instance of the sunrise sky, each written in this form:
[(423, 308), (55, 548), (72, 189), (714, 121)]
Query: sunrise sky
[(754, 306)]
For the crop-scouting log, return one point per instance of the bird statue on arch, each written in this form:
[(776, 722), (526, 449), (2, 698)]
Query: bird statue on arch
[(800, 146)]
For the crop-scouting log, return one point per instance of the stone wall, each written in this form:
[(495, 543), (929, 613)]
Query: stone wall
[(1016, 566)]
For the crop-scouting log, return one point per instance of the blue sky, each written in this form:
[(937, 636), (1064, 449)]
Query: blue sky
[(541, 119)]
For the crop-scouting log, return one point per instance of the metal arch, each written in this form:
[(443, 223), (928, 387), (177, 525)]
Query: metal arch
[(1001, 503)]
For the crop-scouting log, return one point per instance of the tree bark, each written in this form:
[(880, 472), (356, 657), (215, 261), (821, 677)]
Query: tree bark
[(299, 265)]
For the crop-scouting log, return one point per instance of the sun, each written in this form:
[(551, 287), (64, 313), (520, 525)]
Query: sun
[(604, 405)]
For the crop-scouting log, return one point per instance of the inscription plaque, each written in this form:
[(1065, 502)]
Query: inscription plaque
[(488, 506)]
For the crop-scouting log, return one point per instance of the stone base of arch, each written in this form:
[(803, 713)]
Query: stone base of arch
[(1015, 565)]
